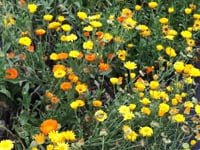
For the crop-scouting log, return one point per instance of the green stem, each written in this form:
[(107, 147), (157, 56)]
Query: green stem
[(103, 140)]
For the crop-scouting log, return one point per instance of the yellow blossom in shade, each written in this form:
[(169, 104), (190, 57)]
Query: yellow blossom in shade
[(34, 148), (68, 38), (170, 52), (25, 41), (197, 109), (194, 72), (129, 24), (114, 80), (146, 131), (32, 8), (48, 17), (126, 13), (95, 24), (193, 142), (61, 18), (152, 4), (179, 66), (50, 147), (74, 53), (155, 94), (170, 10), (154, 85), (74, 105), (186, 34), (145, 101), (107, 37), (122, 54), (80, 102), (146, 110), (128, 116), (62, 146), (126, 129), (59, 73), (94, 17), (55, 137), (140, 86), (130, 45), (189, 80), (54, 56), (81, 88), (163, 20), (69, 135), (6, 144), (82, 15), (191, 42), (100, 115), (188, 104), (196, 16), (66, 27), (179, 118), (130, 65), (163, 108), (54, 25), (132, 136), (9, 21), (138, 7), (123, 109), (97, 103), (88, 28), (132, 106), (159, 47), (39, 138), (188, 11), (187, 68), (88, 45)]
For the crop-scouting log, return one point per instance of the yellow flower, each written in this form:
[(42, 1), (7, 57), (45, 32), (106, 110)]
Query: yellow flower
[(48, 17), (152, 4), (132, 106), (188, 11), (88, 45), (197, 109), (74, 105), (95, 24), (69, 135), (128, 116), (123, 109), (132, 136), (159, 47), (193, 142), (170, 10), (6, 145), (61, 18), (154, 85), (130, 65), (146, 131), (88, 28), (97, 103), (170, 52), (66, 27), (55, 137), (82, 15), (122, 54), (68, 38), (138, 7), (100, 115), (186, 34), (32, 8), (114, 80), (107, 37), (145, 101), (59, 73), (140, 86), (81, 88), (25, 41), (34, 148), (129, 23), (49, 147), (127, 13), (74, 54), (62, 146), (164, 107), (146, 110), (179, 66), (94, 17), (54, 56), (54, 25), (39, 138), (163, 20), (194, 72), (80, 102), (179, 118)]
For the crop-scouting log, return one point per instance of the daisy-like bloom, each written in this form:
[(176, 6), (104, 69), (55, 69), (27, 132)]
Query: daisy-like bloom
[(74, 53), (138, 7), (179, 118), (56, 137), (59, 73), (97, 103), (197, 109), (170, 52), (50, 147), (54, 99), (146, 131), (40, 31), (66, 27), (73, 78), (32, 8), (128, 116), (94, 17), (132, 136), (126, 13), (25, 41), (6, 145), (11, 73), (74, 105), (100, 115), (54, 25), (81, 88), (163, 20), (62, 56), (61, 18), (123, 109), (145, 101), (54, 56), (104, 67), (48, 17), (170, 10), (130, 65), (146, 110), (152, 5), (90, 57), (82, 15), (69, 135), (62, 146), (122, 54), (140, 86), (88, 28), (186, 34), (163, 108), (132, 106), (95, 24), (194, 72), (49, 125), (88, 45), (39, 138), (69, 38), (188, 11), (154, 85), (129, 24), (179, 66), (65, 86)]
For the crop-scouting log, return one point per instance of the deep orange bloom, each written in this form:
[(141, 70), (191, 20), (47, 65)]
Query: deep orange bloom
[(65, 86), (111, 56), (104, 67), (22, 56), (48, 126), (22, 2), (90, 57), (59, 66), (48, 94), (31, 48), (11, 73), (86, 34), (120, 19), (55, 99), (62, 56), (99, 33), (73, 78), (40, 31), (11, 55)]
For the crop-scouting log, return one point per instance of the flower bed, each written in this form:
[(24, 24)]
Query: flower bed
[(103, 75)]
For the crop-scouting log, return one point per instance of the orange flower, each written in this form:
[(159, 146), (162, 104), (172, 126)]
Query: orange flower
[(104, 67), (48, 126), (65, 86), (120, 19), (90, 57), (11, 73), (48, 94), (22, 2), (73, 78), (86, 34), (11, 55), (55, 99), (111, 56), (40, 31), (81, 88), (62, 56), (39, 138), (97, 103), (31, 48), (58, 66), (22, 56)]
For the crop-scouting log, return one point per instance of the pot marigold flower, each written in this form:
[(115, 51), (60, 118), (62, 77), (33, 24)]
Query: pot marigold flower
[(90, 57), (65, 86), (188, 11), (81, 88), (145, 101), (62, 56), (59, 73), (122, 54), (49, 125), (74, 53), (66, 27), (170, 52), (170, 10), (159, 47), (138, 7), (100, 115), (179, 118), (54, 25), (59, 66), (130, 65), (129, 23), (32, 8), (154, 85), (55, 99), (40, 31), (55, 137), (11, 73), (62, 146), (146, 110), (6, 145), (82, 15), (104, 67), (61, 18), (194, 72), (69, 135), (132, 136), (186, 34), (152, 4), (88, 45), (39, 138), (179, 66), (146, 131), (95, 24), (97, 103), (73, 78), (163, 20), (25, 41), (48, 17)]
